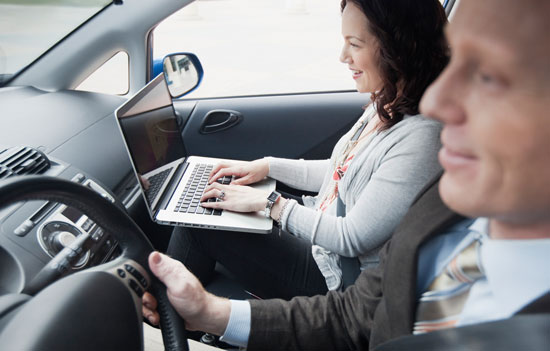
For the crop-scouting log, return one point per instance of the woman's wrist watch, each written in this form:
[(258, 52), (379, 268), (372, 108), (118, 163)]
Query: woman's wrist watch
[(271, 200)]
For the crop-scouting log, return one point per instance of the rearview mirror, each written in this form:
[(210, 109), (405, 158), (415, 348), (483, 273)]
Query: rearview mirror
[(182, 73)]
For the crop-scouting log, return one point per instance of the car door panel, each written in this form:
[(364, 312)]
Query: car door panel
[(292, 126)]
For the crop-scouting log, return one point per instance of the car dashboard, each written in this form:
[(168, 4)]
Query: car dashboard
[(70, 135)]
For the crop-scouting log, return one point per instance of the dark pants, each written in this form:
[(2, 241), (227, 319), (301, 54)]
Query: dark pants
[(268, 265)]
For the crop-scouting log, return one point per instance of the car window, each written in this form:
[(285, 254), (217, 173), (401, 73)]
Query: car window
[(109, 78), (28, 28), (252, 47)]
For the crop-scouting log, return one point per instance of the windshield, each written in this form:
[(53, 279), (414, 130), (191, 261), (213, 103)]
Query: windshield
[(28, 28)]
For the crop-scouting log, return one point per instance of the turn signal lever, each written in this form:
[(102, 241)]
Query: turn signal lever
[(60, 265)]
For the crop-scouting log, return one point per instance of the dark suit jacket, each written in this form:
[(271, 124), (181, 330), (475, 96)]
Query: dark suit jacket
[(379, 307)]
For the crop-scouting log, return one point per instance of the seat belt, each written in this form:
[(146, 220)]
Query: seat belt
[(351, 268)]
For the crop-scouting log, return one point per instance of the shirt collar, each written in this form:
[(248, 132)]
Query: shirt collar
[(480, 228), (517, 271)]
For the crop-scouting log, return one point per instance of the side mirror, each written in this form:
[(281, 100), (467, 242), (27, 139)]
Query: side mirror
[(182, 73)]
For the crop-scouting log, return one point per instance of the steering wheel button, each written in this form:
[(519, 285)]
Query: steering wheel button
[(121, 273), (134, 285), (136, 274), (142, 280)]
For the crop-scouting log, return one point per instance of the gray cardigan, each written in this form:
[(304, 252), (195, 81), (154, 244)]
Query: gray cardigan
[(388, 171)]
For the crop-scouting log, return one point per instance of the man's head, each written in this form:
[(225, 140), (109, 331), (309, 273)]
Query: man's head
[(494, 101)]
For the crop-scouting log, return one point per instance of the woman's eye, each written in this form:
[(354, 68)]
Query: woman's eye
[(353, 45)]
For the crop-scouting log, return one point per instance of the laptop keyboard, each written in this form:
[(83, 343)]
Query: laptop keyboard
[(189, 201), (155, 183)]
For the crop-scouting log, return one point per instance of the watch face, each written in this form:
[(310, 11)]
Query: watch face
[(273, 196)]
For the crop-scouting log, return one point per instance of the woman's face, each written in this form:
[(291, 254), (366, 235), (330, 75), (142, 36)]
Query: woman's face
[(359, 51)]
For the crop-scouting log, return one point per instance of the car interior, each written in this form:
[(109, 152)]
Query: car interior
[(55, 132), (74, 228)]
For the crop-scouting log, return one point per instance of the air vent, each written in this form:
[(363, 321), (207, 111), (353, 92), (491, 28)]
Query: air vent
[(22, 160)]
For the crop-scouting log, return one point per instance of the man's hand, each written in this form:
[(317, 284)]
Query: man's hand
[(200, 309), (245, 172)]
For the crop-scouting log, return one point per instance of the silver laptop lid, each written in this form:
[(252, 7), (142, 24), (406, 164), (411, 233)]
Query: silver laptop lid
[(151, 134)]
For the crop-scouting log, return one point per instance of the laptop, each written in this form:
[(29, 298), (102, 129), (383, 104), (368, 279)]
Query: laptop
[(171, 182)]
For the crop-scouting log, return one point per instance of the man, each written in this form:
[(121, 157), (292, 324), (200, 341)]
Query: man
[(493, 100)]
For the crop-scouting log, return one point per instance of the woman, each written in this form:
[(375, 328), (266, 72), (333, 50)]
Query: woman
[(394, 49)]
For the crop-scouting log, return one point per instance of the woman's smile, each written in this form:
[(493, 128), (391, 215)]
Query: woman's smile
[(356, 74)]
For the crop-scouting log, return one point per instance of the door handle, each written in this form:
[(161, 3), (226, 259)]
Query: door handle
[(218, 120)]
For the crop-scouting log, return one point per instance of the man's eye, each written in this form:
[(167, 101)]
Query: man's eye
[(486, 78), (489, 79)]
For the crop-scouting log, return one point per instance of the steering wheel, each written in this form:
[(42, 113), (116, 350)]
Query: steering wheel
[(133, 243)]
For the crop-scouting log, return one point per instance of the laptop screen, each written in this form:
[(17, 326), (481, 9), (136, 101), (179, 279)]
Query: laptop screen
[(153, 138), (150, 128)]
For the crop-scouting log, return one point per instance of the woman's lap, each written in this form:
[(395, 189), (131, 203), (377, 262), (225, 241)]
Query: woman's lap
[(266, 264)]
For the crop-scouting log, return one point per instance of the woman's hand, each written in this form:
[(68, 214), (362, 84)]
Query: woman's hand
[(245, 172), (237, 198)]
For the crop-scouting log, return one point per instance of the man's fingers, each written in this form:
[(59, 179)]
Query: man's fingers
[(152, 316), (149, 308), (167, 270), (149, 301)]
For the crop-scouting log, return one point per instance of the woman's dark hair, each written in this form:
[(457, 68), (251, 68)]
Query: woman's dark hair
[(412, 51)]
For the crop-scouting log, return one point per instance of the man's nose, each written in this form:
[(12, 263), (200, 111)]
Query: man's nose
[(442, 100)]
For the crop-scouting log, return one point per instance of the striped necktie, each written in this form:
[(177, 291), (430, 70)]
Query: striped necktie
[(442, 303)]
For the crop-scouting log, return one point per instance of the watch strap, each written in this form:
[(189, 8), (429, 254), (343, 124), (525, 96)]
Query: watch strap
[(271, 200)]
